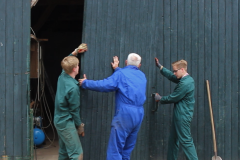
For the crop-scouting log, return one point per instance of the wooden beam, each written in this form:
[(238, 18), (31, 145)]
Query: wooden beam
[(43, 40), (33, 3), (45, 15), (61, 2)]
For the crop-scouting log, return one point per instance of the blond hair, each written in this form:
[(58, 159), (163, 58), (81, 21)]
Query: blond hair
[(68, 63), (180, 64)]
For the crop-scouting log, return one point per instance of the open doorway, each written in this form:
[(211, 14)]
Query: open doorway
[(56, 30)]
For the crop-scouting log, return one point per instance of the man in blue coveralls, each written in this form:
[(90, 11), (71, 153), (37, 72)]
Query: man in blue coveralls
[(130, 86), (183, 99), (67, 102)]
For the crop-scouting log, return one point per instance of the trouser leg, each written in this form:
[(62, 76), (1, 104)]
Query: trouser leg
[(69, 138), (132, 137), (62, 151), (129, 145), (186, 140), (125, 126), (173, 144), (115, 144)]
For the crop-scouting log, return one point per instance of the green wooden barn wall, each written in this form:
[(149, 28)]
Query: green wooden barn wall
[(204, 32), (14, 63)]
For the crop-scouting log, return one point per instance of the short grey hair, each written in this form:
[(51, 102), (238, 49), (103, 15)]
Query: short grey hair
[(133, 59)]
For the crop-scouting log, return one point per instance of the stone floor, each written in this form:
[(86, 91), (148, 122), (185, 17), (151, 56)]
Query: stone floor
[(50, 153)]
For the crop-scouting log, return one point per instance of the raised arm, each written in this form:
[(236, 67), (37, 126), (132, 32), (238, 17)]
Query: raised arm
[(169, 75), (165, 72), (106, 85)]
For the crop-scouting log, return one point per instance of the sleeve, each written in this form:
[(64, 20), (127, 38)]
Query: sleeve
[(106, 85), (117, 69), (176, 96), (169, 75), (73, 98)]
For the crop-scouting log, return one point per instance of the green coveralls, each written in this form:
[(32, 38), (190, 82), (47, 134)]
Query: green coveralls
[(67, 117), (183, 99)]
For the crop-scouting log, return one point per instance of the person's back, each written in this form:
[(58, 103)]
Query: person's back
[(131, 87), (65, 86)]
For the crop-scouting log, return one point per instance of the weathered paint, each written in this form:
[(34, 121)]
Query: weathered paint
[(14, 63), (203, 32)]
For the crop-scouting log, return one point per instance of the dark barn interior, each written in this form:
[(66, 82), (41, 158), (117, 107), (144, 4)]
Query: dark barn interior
[(57, 25)]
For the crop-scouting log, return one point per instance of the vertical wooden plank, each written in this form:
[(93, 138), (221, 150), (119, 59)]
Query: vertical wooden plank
[(144, 52), (25, 76), (142, 135), (215, 68), (238, 64), (110, 49), (143, 23), (131, 12), (151, 11), (99, 72), (207, 76), (112, 31), (187, 33), (84, 114), (174, 38), (105, 70), (180, 28), (190, 57), (133, 40), (181, 46), (126, 41), (10, 76), (149, 20), (2, 76), (167, 116), (194, 68), (201, 82), (138, 48), (87, 96), (155, 79), (221, 77), (17, 70), (235, 76), (228, 62), (98, 18), (157, 50), (138, 150), (123, 29)]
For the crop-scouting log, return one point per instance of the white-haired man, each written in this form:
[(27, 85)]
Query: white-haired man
[(130, 86)]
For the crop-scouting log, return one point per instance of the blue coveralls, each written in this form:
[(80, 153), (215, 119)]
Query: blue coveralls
[(67, 117), (130, 86)]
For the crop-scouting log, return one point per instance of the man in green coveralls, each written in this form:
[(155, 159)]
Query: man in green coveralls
[(183, 99), (67, 102)]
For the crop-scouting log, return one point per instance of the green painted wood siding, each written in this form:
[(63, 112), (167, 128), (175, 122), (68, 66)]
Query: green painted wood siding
[(14, 63), (204, 32)]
